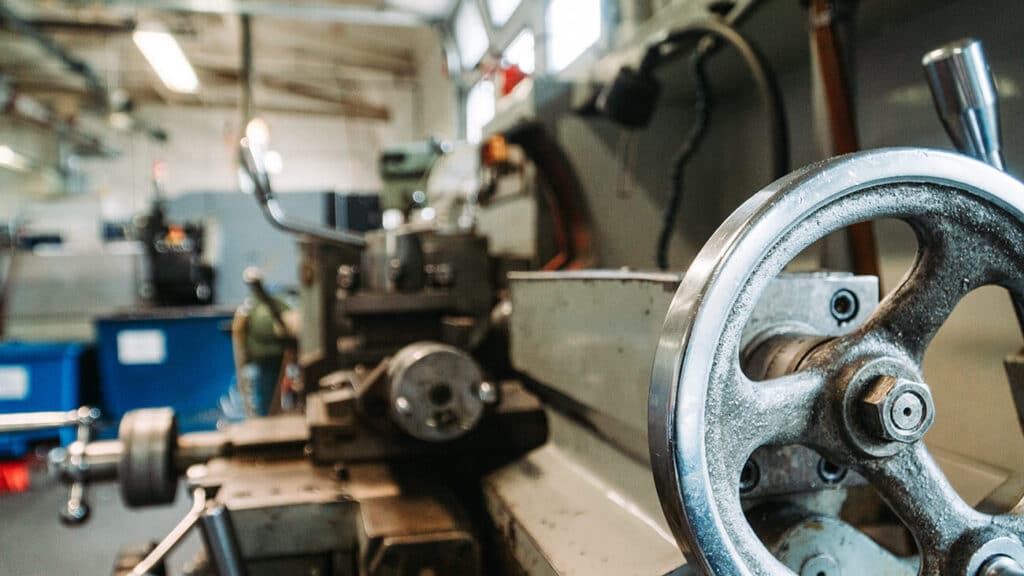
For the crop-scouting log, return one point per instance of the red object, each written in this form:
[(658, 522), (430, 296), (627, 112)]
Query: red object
[(14, 476), (512, 76)]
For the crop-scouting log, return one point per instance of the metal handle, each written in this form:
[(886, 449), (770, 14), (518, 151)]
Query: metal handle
[(968, 105), (174, 537), (76, 509), (251, 160), (28, 421), (218, 535), (72, 462), (965, 98)]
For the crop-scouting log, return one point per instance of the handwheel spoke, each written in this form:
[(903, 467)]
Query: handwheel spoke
[(787, 405), (919, 493), (949, 532), (941, 276), (1014, 520), (772, 412)]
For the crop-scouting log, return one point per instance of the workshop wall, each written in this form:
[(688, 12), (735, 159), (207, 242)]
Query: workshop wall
[(57, 294), (318, 152)]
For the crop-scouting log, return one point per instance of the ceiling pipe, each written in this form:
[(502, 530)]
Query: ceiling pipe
[(97, 90), (35, 113), (31, 111), (246, 71), (98, 97)]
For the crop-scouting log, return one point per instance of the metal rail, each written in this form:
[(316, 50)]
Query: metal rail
[(251, 160)]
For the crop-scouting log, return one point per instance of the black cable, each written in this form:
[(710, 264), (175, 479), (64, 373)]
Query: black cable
[(768, 92), (702, 111)]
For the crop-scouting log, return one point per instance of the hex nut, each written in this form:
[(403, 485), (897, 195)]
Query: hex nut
[(844, 306), (898, 409)]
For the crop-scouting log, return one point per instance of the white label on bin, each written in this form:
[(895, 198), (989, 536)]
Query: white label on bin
[(141, 347), (13, 383)]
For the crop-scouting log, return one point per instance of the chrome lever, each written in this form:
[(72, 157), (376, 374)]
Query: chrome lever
[(254, 169), (965, 98), (174, 537), (218, 534), (70, 461)]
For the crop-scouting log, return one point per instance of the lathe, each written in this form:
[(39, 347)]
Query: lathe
[(735, 419)]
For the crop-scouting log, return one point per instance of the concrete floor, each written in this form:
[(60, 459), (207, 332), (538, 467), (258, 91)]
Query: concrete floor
[(34, 542)]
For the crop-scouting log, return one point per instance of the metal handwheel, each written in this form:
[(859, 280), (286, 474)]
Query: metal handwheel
[(860, 400)]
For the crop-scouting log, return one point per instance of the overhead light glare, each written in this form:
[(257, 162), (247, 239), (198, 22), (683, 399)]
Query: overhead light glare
[(165, 56), (274, 162), (12, 160), (257, 131)]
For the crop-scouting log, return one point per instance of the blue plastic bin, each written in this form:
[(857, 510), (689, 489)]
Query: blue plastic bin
[(176, 357), (37, 378)]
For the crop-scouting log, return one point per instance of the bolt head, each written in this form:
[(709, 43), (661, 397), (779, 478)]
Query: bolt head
[(844, 306), (88, 415), (898, 409), (74, 512), (403, 406), (488, 393)]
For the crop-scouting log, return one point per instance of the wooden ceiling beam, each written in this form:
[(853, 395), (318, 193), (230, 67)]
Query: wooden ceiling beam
[(231, 74), (229, 100), (358, 106), (223, 56)]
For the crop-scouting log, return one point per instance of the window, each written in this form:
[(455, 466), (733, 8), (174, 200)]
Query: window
[(573, 26), (521, 52), (502, 10), (479, 109), (470, 34)]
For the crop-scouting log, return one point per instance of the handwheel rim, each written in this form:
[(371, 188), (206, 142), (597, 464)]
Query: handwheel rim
[(690, 352)]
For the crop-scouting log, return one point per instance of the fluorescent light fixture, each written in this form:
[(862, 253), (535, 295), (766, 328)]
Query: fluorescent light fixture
[(12, 160), (164, 54)]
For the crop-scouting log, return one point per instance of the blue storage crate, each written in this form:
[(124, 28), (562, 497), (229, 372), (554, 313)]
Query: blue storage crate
[(176, 357), (38, 378)]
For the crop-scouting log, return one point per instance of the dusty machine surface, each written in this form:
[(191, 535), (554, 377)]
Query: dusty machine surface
[(736, 419)]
